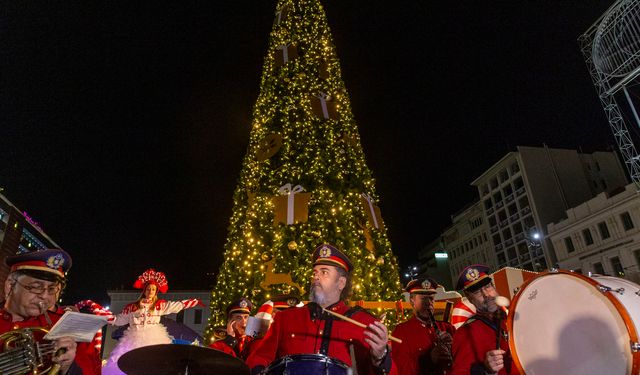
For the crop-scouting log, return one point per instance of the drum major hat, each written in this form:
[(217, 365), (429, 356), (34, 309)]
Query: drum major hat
[(242, 306), (423, 285), (55, 261), (473, 278), (329, 255)]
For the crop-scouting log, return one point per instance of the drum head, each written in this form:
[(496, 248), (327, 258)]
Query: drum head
[(561, 323)]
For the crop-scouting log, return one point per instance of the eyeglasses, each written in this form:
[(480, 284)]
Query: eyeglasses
[(485, 288), (39, 289)]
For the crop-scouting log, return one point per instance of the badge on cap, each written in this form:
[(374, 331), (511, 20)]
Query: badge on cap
[(472, 274), (243, 304), (426, 284), (292, 302), (55, 261), (325, 252)]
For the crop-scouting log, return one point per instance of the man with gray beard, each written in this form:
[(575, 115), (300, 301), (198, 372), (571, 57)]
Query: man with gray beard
[(474, 347), (311, 330)]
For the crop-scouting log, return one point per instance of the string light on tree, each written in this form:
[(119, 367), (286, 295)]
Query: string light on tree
[(304, 178)]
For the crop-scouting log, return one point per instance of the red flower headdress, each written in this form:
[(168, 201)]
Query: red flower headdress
[(151, 276)]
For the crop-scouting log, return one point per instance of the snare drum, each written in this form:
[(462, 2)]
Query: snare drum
[(566, 323), (302, 364)]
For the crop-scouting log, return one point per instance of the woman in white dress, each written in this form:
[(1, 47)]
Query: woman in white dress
[(143, 317)]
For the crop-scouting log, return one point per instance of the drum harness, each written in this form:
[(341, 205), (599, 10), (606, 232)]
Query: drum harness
[(316, 313)]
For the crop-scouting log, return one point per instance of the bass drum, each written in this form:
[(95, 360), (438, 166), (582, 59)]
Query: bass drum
[(303, 364), (566, 323)]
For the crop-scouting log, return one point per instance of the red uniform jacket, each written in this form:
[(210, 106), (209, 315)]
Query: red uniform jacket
[(418, 338), (232, 346), (87, 360), (471, 342), (294, 332)]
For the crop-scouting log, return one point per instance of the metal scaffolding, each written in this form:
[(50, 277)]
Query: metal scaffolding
[(611, 49)]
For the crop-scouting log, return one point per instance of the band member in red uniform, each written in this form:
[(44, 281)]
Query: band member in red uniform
[(266, 312), (236, 341), (474, 343), (310, 330), (31, 290), (425, 348)]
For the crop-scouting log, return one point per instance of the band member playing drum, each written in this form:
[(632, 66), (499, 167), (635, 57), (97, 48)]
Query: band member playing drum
[(311, 330), (31, 290), (426, 344), (475, 344), (236, 342)]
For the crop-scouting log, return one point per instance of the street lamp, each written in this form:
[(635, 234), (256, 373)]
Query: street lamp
[(534, 245), (411, 272)]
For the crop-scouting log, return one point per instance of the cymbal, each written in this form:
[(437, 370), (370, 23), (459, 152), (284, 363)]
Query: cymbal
[(173, 359)]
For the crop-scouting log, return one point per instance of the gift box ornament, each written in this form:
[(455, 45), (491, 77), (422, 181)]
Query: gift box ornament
[(368, 244), (292, 205), (372, 211), (251, 198), (323, 70), (269, 146), (286, 53), (282, 14), (324, 106)]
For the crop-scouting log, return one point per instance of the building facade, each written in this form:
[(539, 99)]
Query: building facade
[(194, 318), (601, 235), (433, 261), (518, 197), (19, 233), (534, 186), (467, 240)]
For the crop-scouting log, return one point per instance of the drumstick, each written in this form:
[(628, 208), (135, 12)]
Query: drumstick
[(501, 302), (361, 325)]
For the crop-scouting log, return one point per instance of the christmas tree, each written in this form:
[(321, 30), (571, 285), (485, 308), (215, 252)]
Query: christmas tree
[(304, 179)]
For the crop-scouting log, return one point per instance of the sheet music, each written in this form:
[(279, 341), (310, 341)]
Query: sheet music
[(81, 327)]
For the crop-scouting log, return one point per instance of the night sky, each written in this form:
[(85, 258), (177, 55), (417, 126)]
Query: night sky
[(123, 125)]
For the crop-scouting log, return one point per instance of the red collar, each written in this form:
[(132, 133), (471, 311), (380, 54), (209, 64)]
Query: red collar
[(339, 307), (7, 316)]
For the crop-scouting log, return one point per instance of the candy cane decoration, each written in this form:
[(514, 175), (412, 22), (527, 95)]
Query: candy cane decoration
[(96, 309), (462, 311)]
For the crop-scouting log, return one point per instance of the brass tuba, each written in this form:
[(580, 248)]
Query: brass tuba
[(22, 353)]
